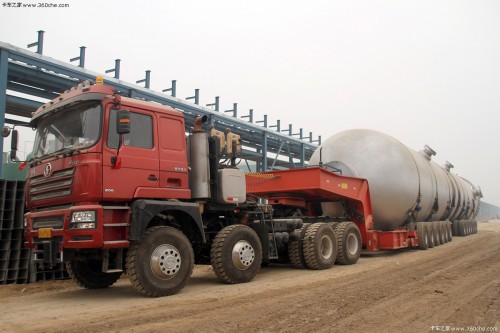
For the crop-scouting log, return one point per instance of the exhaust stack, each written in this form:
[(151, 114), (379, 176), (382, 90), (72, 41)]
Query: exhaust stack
[(199, 177)]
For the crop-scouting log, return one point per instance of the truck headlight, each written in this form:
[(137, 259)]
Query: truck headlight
[(83, 220)]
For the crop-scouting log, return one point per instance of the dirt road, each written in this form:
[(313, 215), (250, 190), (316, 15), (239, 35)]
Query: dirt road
[(453, 286)]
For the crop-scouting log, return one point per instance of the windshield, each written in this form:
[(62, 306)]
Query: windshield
[(75, 127)]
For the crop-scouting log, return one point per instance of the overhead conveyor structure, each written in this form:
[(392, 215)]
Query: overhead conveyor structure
[(32, 74)]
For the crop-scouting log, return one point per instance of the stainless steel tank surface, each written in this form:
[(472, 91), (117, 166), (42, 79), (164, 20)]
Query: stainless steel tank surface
[(405, 185)]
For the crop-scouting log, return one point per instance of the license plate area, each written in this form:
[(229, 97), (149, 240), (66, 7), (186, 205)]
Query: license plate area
[(45, 233)]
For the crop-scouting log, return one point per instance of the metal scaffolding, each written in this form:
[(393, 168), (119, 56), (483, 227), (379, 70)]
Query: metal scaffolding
[(36, 75)]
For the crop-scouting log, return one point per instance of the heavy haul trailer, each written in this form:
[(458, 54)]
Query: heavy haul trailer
[(304, 190), (115, 185)]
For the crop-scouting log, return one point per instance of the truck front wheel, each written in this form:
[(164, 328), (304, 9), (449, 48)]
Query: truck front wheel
[(236, 254), (161, 263), (88, 274)]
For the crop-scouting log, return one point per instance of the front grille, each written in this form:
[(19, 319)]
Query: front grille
[(54, 222), (59, 184)]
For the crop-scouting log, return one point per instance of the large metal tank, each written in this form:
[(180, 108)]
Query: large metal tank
[(405, 185)]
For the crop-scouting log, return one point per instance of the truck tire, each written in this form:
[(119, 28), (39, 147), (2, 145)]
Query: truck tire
[(423, 236), (296, 249), (160, 263), (430, 234), (236, 254), (348, 243), (88, 274), (320, 246)]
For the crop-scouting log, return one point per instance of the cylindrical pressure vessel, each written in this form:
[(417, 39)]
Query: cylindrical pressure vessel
[(405, 185)]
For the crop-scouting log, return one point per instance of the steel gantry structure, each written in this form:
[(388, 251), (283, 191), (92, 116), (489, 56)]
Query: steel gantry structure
[(31, 74)]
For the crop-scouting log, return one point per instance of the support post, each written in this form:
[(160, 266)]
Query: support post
[(249, 116), (81, 57), (116, 70), (196, 97), (264, 122), (264, 149), (39, 43), (289, 130), (173, 89), (4, 64), (277, 126), (215, 104), (234, 110), (146, 80)]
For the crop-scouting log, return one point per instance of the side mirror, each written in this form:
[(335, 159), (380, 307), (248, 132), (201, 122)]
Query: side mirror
[(123, 122), (13, 145)]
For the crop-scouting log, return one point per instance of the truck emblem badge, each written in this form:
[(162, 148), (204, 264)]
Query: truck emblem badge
[(48, 170)]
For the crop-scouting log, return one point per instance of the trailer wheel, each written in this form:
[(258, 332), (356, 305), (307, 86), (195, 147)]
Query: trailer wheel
[(296, 249), (423, 236), (88, 274), (444, 231), (454, 227), (450, 231), (348, 243), (236, 254), (461, 228), (437, 233), (430, 234), (320, 246), (161, 262)]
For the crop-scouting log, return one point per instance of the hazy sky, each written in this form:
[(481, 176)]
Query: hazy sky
[(425, 72)]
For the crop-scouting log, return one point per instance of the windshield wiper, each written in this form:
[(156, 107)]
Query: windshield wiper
[(63, 151)]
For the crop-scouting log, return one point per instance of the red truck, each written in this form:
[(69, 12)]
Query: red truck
[(115, 185)]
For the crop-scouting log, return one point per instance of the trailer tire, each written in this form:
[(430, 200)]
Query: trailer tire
[(431, 234), (444, 231), (160, 263), (320, 246), (236, 254), (296, 248), (454, 227), (462, 228), (437, 233), (423, 236), (450, 231), (348, 243), (88, 274)]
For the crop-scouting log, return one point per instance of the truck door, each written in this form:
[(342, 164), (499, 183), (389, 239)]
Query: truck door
[(173, 157), (137, 170)]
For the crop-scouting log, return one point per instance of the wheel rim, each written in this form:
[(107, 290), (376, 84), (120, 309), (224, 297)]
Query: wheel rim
[(165, 261), (326, 247), (352, 244), (243, 255)]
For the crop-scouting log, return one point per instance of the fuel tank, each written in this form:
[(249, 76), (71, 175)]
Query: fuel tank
[(405, 185)]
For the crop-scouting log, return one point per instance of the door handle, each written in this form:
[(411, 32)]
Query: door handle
[(153, 178)]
